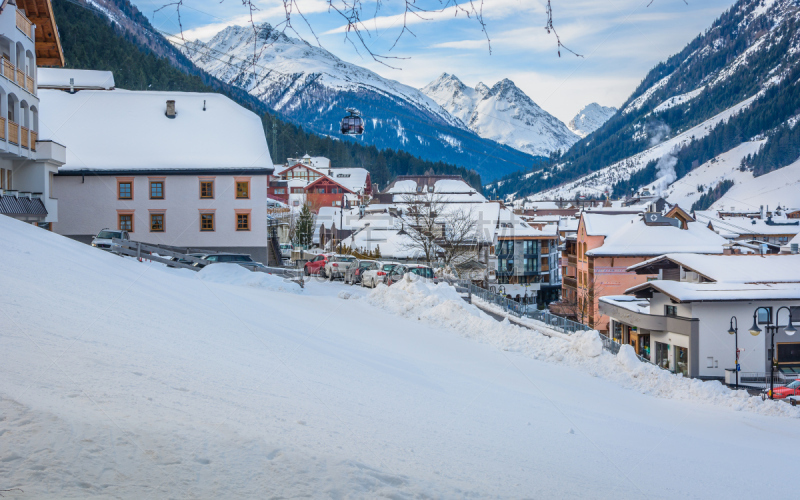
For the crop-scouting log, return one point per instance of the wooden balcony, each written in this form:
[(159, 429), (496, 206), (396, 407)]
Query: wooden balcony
[(572, 260), (8, 69), (29, 84), (569, 282), (2, 128), (13, 132), (24, 25), (26, 138), (34, 138), (21, 78)]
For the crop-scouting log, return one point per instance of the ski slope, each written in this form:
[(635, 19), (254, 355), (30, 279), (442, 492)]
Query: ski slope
[(123, 379)]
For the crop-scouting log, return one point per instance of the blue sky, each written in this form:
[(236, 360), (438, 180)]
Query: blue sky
[(620, 40)]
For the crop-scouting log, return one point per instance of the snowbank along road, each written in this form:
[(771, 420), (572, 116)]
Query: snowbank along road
[(121, 379)]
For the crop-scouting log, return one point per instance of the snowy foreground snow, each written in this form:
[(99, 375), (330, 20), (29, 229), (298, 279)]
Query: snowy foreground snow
[(121, 379)]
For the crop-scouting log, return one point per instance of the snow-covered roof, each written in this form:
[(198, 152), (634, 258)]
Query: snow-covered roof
[(393, 243), (122, 130), (406, 186), (354, 179), (605, 224), (743, 226), (683, 291), (637, 305), (315, 162), (540, 205), (736, 268), (638, 238), (82, 79)]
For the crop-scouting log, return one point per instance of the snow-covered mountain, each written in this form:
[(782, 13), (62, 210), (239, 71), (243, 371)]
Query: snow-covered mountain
[(695, 120), (590, 118), (503, 113), (313, 88)]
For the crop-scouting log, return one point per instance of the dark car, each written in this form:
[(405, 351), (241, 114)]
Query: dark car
[(243, 260), (354, 273)]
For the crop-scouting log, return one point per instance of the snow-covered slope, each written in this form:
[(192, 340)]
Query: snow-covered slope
[(685, 191), (312, 87), (590, 118), (779, 187), (503, 113), (603, 180), (143, 382)]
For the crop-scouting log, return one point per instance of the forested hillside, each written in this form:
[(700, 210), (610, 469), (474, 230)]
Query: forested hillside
[(749, 52), (91, 41)]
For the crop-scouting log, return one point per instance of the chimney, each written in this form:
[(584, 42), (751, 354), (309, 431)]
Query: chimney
[(763, 215), (171, 113), (71, 85)]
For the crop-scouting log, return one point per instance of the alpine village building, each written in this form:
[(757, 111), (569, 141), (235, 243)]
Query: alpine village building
[(174, 168), (28, 162)]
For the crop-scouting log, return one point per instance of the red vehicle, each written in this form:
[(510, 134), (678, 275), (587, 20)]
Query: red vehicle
[(788, 391), (315, 265)]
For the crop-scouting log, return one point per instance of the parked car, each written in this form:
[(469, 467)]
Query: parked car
[(336, 266), (103, 238), (417, 271), (371, 277), (189, 262), (355, 271), (790, 392), (243, 260), (286, 250), (316, 265)]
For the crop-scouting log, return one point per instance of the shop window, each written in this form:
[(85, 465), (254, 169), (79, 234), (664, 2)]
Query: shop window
[(789, 353), (682, 361), (662, 355)]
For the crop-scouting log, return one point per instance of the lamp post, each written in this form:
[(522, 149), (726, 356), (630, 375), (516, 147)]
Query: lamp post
[(789, 329), (734, 330)]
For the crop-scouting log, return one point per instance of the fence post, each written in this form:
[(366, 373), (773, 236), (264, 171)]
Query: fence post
[(469, 290), (139, 250)]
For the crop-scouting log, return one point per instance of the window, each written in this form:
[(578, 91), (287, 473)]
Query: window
[(206, 189), (764, 315), (156, 190), (530, 247), (126, 222), (242, 222), (662, 355), (206, 222), (296, 203), (297, 190), (530, 265), (156, 223), (125, 190), (670, 310), (320, 190), (280, 191), (243, 189)]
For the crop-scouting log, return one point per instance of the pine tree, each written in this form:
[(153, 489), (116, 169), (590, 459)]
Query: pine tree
[(304, 235)]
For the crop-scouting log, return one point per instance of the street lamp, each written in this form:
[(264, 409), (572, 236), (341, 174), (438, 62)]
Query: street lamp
[(789, 329), (734, 330)]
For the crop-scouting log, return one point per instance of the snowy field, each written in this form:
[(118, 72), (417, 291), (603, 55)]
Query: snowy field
[(123, 379)]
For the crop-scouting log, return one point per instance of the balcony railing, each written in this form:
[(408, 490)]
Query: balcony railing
[(24, 25), (34, 138), (8, 69), (572, 260), (26, 138), (2, 128), (18, 76), (569, 282), (13, 132)]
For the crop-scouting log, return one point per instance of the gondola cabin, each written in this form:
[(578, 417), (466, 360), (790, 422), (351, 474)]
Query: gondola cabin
[(352, 124)]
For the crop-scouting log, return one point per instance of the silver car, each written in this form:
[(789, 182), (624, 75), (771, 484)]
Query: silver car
[(355, 271)]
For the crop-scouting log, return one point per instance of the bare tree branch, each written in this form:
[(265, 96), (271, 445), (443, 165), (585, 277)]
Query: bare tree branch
[(549, 27)]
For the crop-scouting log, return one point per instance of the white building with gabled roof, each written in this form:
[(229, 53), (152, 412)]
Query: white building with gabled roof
[(680, 320), (175, 168)]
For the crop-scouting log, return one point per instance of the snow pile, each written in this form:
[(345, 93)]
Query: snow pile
[(234, 274), (442, 306)]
